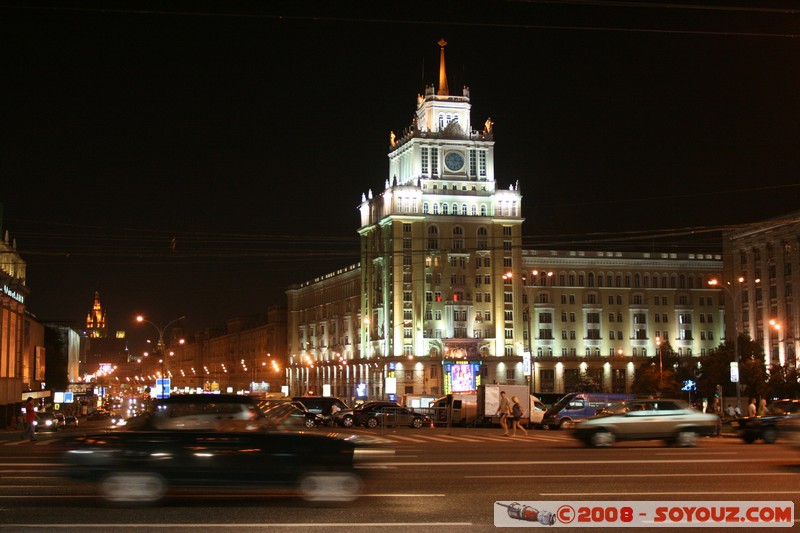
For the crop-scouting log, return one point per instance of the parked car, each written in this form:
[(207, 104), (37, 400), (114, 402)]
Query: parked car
[(674, 421), (388, 414), (71, 421), (99, 414), (537, 412), (767, 427), (346, 417), (325, 406), (129, 466), (577, 406), (59, 421), (291, 415)]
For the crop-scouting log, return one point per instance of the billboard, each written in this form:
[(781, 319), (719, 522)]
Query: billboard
[(461, 376)]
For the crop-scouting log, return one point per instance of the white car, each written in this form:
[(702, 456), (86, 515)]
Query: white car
[(674, 421), (537, 412)]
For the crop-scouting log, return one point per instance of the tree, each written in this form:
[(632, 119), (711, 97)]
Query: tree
[(783, 382), (587, 384)]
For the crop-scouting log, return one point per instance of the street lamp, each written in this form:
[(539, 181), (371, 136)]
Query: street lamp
[(660, 365), (735, 292), (160, 344), (536, 276)]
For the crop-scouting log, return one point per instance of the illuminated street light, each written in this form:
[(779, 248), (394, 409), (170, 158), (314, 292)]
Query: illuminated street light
[(735, 292), (160, 344)]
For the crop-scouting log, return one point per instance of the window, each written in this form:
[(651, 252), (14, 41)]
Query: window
[(458, 238), (433, 237)]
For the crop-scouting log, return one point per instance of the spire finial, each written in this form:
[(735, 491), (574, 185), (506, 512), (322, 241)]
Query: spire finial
[(443, 89)]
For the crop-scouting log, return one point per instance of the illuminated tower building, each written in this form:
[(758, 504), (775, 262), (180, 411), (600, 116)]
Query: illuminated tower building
[(438, 241), (96, 320)]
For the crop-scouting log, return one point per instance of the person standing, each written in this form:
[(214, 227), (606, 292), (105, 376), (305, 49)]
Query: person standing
[(504, 410), (30, 421), (516, 416), (751, 409), (762, 407)]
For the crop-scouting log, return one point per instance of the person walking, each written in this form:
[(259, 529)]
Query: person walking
[(516, 416), (504, 410), (762, 407), (29, 431)]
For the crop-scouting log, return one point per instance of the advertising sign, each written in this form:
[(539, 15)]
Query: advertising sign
[(734, 372), (461, 376)]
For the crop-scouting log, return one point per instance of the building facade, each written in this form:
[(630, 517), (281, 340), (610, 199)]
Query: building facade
[(762, 267), (440, 298)]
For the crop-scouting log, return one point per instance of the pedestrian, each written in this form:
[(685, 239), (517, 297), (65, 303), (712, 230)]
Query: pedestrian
[(504, 410), (516, 416), (729, 411), (29, 431), (737, 411), (762, 407), (751, 409)]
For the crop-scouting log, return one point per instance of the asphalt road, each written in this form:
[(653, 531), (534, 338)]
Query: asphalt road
[(424, 480)]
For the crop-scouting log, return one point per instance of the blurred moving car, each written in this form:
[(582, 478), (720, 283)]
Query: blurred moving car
[(46, 422), (345, 418), (139, 463), (767, 427), (71, 421), (674, 421)]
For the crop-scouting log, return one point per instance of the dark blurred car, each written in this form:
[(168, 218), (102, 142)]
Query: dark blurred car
[(388, 414), (325, 406), (71, 421), (674, 421), (767, 427), (99, 414), (138, 463), (59, 421), (291, 416), (47, 422)]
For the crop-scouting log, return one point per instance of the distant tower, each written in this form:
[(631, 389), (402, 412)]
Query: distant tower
[(96, 320)]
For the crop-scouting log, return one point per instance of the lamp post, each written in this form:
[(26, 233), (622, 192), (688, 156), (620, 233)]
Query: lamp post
[(536, 276), (735, 292), (660, 365), (160, 344)]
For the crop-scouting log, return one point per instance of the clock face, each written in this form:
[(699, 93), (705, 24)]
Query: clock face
[(454, 161)]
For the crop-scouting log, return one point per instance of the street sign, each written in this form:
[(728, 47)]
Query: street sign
[(526, 363), (162, 388), (734, 372)]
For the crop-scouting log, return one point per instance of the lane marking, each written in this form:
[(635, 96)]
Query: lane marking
[(760, 491), (715, 474), (600, 462)]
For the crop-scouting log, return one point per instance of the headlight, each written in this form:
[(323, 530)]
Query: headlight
[(48, 423)]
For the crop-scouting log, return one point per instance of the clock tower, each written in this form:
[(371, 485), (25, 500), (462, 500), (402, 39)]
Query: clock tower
[(439, 244)]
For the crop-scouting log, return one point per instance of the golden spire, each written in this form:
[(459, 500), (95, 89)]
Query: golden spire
[(443, 89)]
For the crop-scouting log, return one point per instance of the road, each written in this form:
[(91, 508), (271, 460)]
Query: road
[(430, 479)]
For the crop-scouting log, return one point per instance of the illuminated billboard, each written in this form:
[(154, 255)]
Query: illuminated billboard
[(461, 376)]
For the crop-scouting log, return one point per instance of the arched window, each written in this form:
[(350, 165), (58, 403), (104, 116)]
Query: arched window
[(455, 209), (464, 209), (474, 210), (441, 121), (444, 209), (483, 210), (435, 209), (425, 208)]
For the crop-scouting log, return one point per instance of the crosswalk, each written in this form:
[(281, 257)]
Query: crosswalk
[(406, 438), (530, 437)]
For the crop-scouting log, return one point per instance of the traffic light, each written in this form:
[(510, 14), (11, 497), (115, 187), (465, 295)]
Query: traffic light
[(718, 394)]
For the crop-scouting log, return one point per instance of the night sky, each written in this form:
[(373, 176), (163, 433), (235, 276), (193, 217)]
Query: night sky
[(198, 160)]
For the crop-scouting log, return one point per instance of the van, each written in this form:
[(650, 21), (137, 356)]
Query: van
[(577, 406)]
